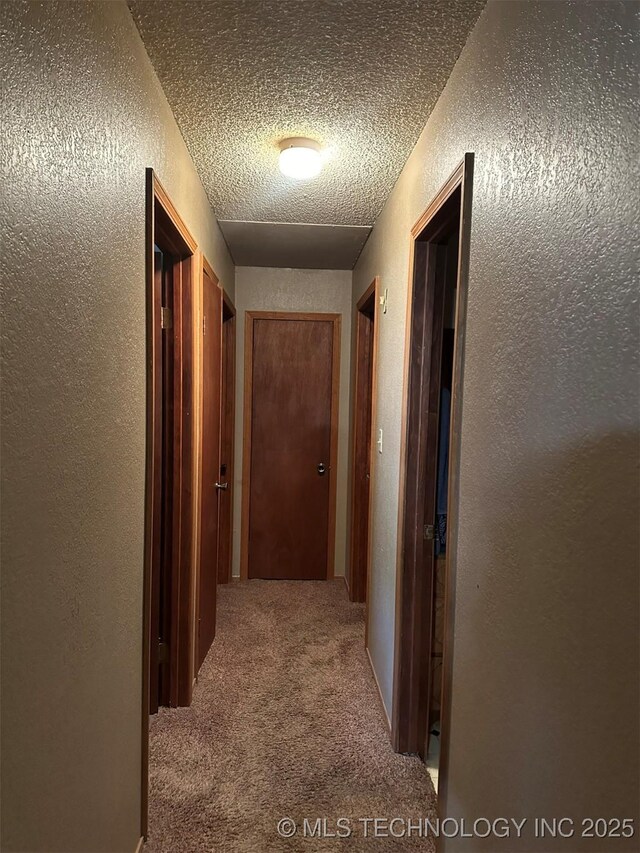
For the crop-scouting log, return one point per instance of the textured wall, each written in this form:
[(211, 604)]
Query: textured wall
[(83, 115), (321, 291), (546, 657)]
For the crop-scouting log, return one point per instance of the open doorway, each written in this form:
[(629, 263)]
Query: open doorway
[(170, 470), (210, 484), (363, 425), (429, 474), (227, 438), (171, 276)]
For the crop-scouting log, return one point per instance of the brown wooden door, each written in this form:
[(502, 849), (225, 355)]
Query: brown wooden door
[(362, 425), (211, 389), (162, 620), (289, 519), (227, 443)]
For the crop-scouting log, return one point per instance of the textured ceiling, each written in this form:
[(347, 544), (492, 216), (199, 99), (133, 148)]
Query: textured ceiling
[(299, 245), (360, 76)]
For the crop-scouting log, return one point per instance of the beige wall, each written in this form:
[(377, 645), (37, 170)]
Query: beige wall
[(322, 291), (545, 677), (83, 115)]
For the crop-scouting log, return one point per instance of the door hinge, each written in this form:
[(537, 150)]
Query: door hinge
[(428, 531), (163, 652), (166, 318)]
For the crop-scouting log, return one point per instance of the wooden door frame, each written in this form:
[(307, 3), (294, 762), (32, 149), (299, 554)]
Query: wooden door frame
[(359, 588), (181, 662), (228, 306), (229, 316), (408, 698), (204, 268), (250, 318)]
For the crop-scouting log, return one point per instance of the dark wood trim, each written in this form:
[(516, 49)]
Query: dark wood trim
[(333, 472), (250, 317), (292, 315), (206, 266), (372, 290), (197, 474), (374, 456), (162, 198), (246, 445), (185, 285), (422, 347), (452, 183), (182, 660), (453, 503), (229, 393), (366, 317), (150, 476), (228, 308)]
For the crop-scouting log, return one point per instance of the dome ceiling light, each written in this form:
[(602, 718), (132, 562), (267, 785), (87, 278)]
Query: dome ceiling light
[(300, 158)]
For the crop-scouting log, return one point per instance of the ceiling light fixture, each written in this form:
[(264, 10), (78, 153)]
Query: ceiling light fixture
[(300, 158)]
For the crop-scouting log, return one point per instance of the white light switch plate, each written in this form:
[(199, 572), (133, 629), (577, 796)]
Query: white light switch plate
[(379, 441)]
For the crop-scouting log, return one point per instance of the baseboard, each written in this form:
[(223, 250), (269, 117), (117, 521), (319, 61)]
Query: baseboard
[(139, 845), (381, 700), (346, 583)]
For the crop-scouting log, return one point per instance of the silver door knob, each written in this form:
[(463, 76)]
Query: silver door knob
[(222, 486), (321, 468)]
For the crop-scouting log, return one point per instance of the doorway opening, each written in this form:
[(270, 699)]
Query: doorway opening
[(210, 483), (168, 564), (363, 424), (292, 369), (434, 361), (227, 438)]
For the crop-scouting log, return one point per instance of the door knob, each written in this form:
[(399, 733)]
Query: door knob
[(222, 486), (321, 468)]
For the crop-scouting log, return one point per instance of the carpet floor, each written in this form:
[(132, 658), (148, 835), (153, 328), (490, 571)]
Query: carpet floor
[(285, 722)]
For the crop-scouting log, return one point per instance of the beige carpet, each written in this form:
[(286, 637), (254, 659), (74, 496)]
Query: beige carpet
[(285, 722)]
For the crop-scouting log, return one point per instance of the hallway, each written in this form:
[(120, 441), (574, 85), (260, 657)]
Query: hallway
[(319, 435), (285, 721)]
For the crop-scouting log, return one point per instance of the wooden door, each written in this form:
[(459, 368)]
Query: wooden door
[(166, 622), (362, 459), (439, 263), (211, 391), (162, 564), (293, 408), (167, 648), (168, 610), (226, 440)]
